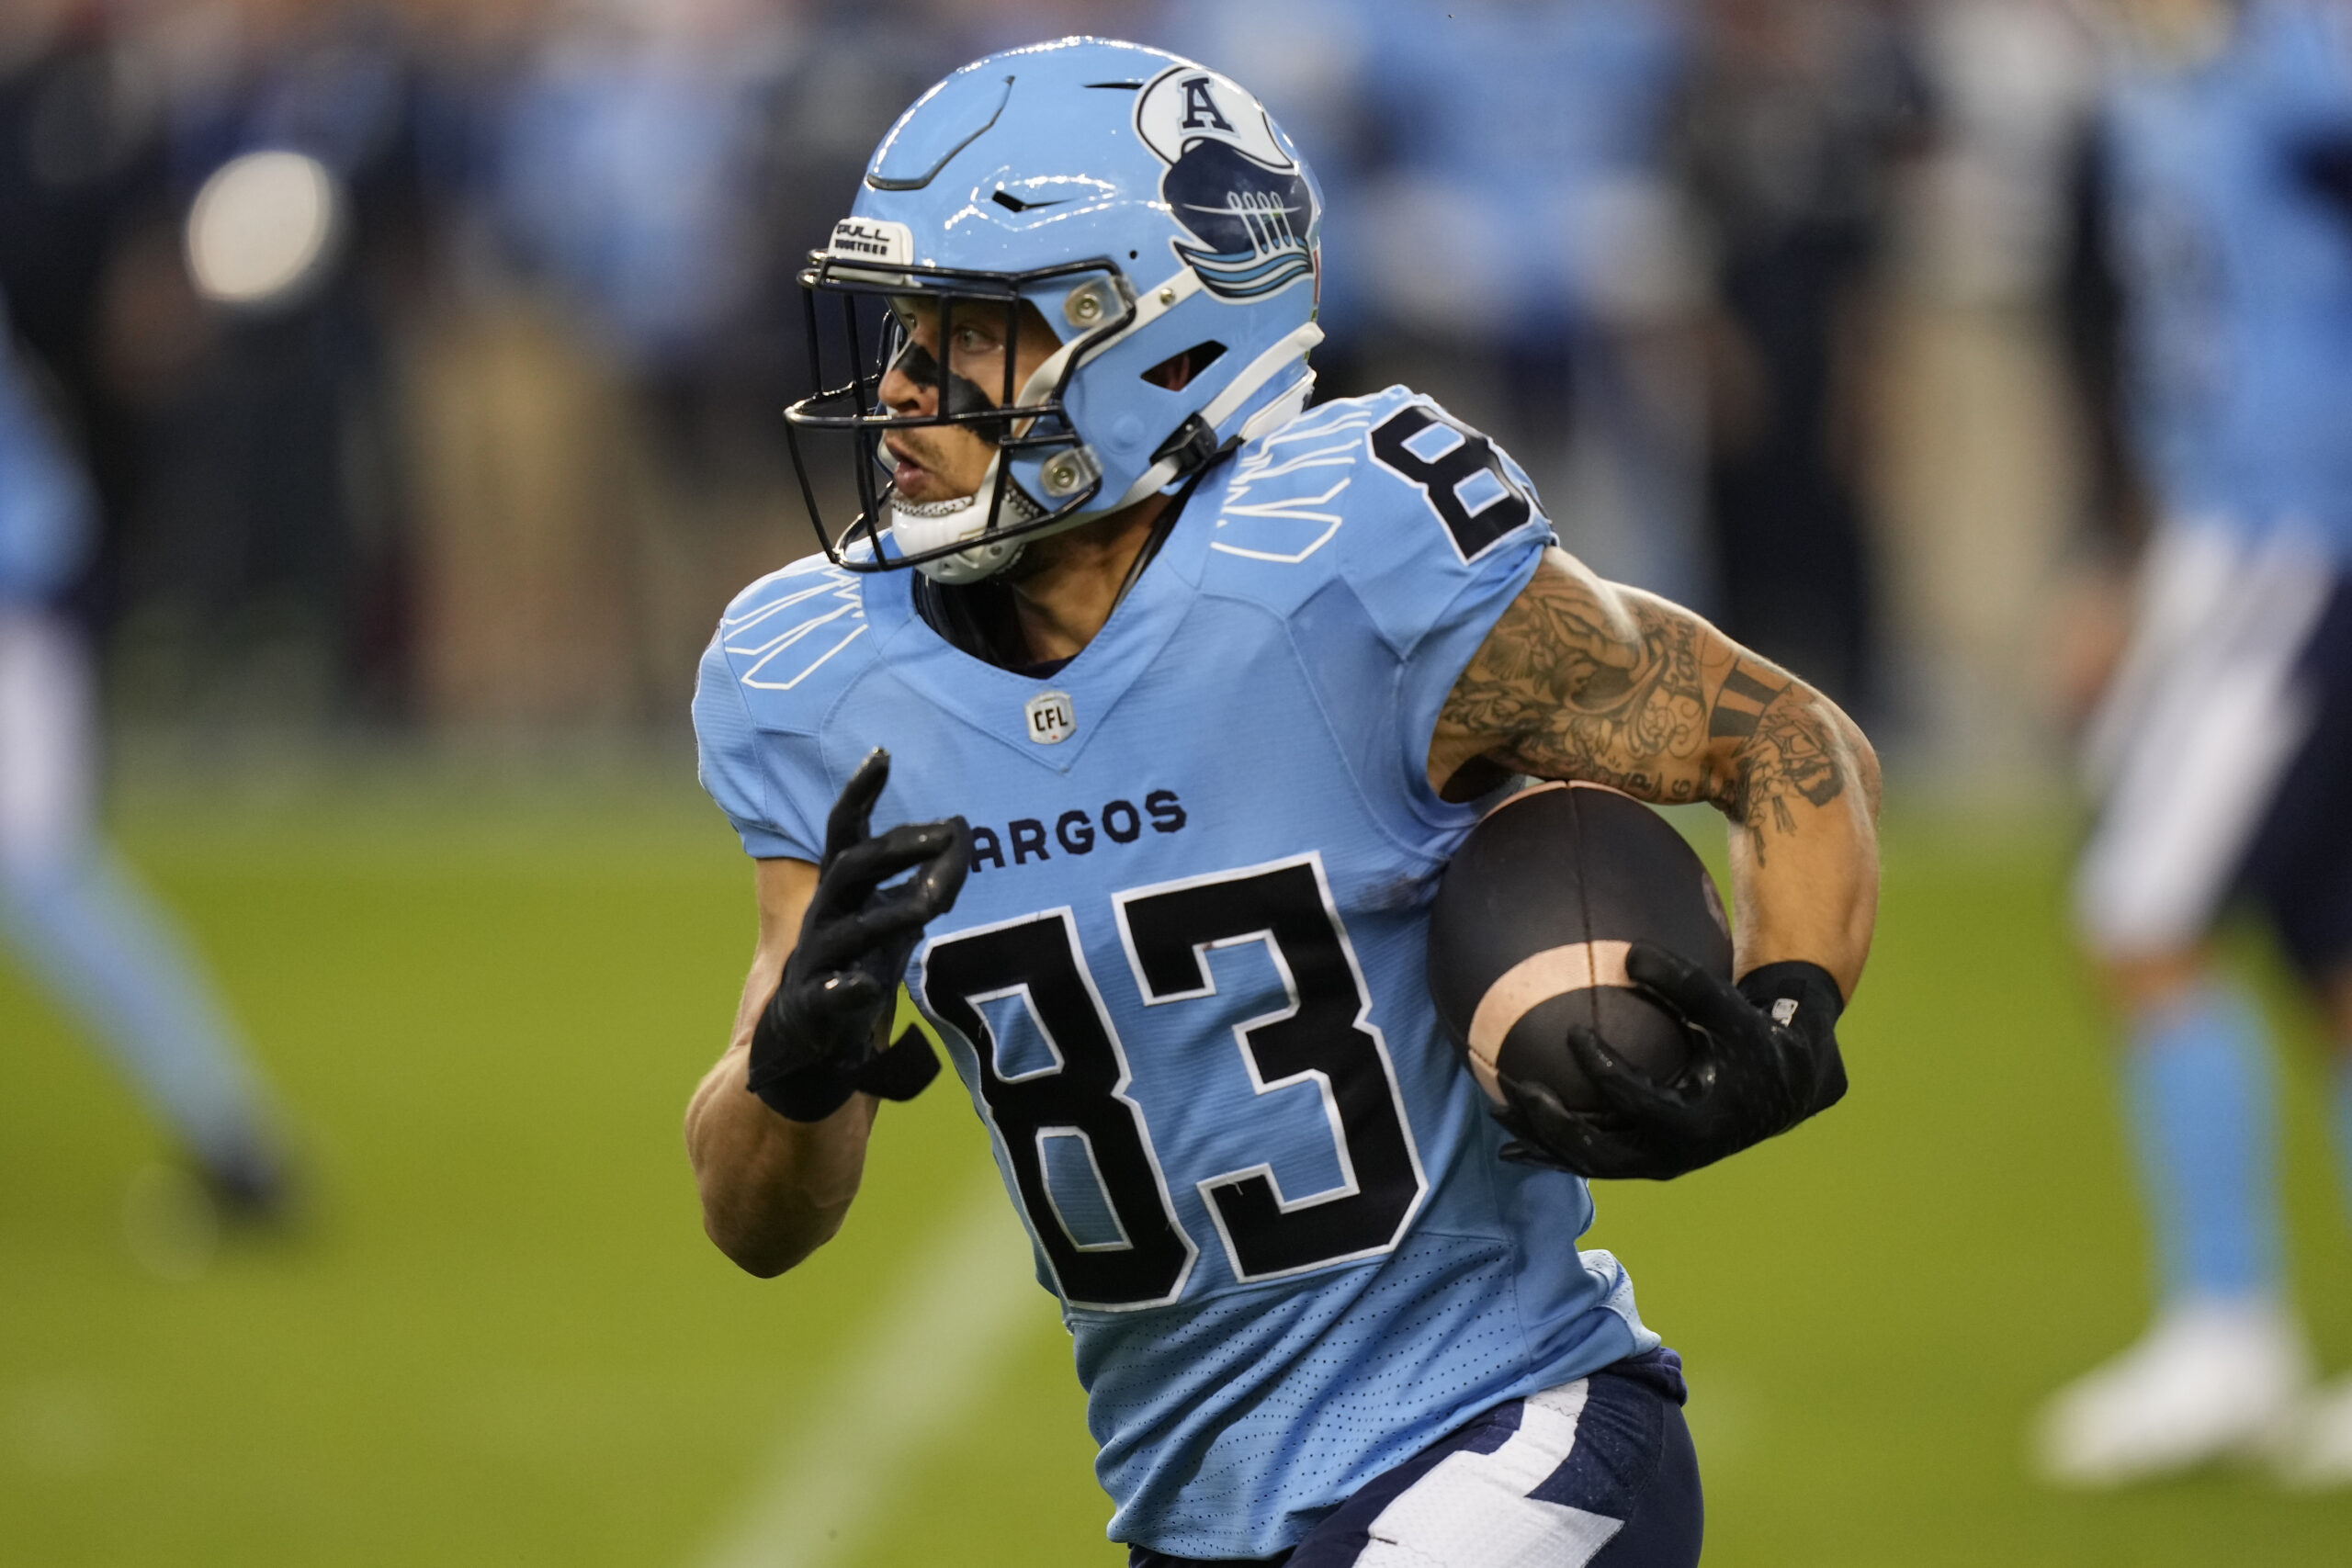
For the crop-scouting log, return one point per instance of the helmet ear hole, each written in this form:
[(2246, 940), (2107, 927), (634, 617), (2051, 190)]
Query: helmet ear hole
[(1174, 372)]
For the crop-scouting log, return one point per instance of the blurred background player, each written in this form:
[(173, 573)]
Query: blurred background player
[(2221, 190), (70, 909)]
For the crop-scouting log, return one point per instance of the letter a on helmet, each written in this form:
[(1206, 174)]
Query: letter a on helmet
[(1147, 207)]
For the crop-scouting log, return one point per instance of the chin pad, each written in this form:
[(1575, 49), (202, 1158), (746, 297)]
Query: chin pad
[(921, 526)]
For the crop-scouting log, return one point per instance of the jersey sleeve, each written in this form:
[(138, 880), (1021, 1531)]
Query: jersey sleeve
[(735, 759), (1453, 531)]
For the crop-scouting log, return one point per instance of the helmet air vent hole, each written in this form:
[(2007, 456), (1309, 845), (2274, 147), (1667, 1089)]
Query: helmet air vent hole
[(1174, 372)]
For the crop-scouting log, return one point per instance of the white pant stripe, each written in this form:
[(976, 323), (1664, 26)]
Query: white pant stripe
[(1473, 1510), (2203, 722), (46, 778)]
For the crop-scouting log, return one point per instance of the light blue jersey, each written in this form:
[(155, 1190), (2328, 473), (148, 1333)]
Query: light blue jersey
[(2238, 276), (1184, 982), (47, 529)]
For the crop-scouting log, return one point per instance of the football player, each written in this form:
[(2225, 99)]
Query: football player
[(1177, 694), (2223, 747), (68, 908)]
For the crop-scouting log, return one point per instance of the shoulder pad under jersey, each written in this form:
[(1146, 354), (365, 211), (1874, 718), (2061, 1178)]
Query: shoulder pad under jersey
[(793, 638), (783, 652), (1407, 505)]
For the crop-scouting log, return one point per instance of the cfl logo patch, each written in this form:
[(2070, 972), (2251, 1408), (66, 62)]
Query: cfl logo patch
[(1052, 719)]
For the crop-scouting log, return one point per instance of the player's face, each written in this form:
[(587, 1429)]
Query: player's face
[(947, 462)]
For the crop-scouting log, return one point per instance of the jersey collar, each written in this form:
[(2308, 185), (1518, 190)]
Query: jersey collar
[(996, 701)]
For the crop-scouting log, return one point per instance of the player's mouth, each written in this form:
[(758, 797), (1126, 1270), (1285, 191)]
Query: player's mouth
[(909, 477), (922, 475)]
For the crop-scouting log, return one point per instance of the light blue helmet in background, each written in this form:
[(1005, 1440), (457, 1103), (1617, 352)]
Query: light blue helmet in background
[(1153, 213)]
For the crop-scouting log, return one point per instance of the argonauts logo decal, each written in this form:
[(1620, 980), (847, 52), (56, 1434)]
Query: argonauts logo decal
[(1230, 182)]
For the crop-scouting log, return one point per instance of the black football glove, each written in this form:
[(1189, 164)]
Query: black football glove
[(813, 1045), (1763, 1058)]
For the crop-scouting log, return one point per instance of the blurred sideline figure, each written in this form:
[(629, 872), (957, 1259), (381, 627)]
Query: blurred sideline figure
[(1797, 118), (2222, 171), (1563, 318), (68, 908), (268, 554)]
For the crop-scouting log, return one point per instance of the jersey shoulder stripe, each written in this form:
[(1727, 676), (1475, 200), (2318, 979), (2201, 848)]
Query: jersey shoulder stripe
[(792, 639), (1390, 495), (784, 651), (1355, 474)]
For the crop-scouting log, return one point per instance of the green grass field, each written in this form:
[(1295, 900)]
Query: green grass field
[(504, 1340)]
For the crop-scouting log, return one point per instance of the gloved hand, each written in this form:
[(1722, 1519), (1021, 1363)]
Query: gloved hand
[(1763, 1058), (813, 1045)]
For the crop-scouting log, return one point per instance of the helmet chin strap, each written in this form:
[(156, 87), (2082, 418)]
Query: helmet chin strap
[(929, 525), (923, 526)]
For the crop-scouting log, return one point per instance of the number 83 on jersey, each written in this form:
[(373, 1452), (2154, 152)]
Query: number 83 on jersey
[(1138, 1254)]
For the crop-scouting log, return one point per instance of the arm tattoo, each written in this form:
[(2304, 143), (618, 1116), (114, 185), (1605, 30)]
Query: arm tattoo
[(1784, 752), (1636, 693)]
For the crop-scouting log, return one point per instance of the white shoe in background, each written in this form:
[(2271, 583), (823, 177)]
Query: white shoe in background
[(2211, 1379), (2315, 1450)]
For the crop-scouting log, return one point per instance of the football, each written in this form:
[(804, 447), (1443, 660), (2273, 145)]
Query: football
[(1532, 920)]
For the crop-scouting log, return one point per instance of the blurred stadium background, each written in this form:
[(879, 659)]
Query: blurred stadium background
[(406, 563)]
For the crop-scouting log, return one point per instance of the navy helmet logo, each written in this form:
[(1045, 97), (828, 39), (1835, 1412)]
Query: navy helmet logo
[(1230, 182)]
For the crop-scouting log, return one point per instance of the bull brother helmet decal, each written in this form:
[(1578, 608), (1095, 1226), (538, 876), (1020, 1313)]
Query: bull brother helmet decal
[(1229, 183)]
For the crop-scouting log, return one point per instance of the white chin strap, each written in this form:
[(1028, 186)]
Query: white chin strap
[(922, 526)]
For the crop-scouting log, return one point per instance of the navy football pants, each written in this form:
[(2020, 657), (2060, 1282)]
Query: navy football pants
[(1595, 1473)]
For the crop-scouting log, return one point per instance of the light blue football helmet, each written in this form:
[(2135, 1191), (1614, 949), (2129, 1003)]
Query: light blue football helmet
[(1150, 208)]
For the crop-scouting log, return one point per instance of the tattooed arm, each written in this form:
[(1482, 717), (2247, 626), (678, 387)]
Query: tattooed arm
[(1585, 679)]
